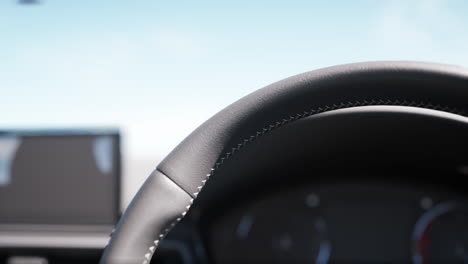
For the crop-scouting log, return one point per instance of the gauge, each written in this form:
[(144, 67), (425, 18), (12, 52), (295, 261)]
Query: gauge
[(441, 235), (297, 240), (274, 231)]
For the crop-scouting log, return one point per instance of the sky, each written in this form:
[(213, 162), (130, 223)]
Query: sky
[(158, 69)]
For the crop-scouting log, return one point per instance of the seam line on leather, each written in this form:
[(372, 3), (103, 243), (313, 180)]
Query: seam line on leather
[(151, 249), (177, 184), (281, 123)]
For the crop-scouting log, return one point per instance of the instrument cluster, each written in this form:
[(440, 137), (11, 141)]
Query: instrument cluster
[(344, 223)]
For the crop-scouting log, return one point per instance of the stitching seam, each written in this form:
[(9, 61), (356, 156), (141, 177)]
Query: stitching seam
[(280, 123)]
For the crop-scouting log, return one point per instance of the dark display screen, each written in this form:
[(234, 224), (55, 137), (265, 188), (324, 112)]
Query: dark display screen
[(59, 178), (344, 223)]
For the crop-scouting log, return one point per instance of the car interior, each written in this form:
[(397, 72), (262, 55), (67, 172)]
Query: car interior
[(301, 171), (360, 162)]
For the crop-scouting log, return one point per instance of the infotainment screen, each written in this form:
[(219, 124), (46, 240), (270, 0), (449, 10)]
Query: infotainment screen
[(59, 178)]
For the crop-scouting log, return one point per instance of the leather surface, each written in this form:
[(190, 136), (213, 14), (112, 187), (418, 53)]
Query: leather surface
[(156, 205), (161, 201)]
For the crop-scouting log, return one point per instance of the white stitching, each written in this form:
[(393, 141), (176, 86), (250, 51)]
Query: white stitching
[(278, 124)]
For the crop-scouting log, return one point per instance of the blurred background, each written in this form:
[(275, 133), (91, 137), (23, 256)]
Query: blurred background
[(155, 70)]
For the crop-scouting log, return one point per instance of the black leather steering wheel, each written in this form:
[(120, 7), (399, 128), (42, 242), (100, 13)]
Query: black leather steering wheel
[(168, 193)]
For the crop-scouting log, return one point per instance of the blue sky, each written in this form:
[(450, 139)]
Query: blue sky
[(157, 69)]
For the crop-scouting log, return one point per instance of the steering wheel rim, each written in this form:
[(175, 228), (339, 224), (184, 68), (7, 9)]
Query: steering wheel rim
[(171, 189)]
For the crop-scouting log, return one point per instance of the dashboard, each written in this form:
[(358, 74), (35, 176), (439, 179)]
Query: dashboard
[(344, 223)]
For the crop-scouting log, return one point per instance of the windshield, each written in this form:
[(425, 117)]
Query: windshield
[(157, 70)]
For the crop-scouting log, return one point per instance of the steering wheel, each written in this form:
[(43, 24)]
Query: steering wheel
[(405, 88)]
